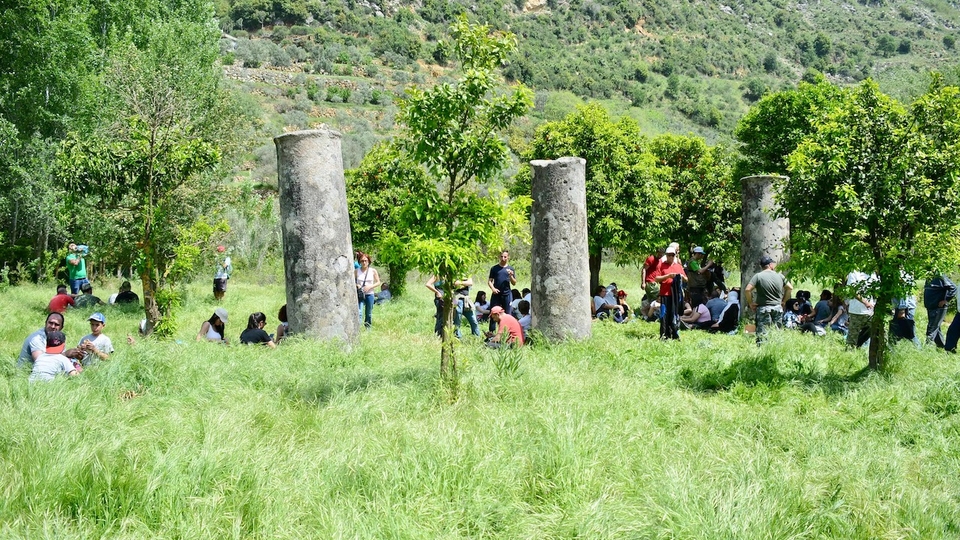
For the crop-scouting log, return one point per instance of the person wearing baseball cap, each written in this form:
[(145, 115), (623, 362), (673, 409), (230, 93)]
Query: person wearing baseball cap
[(767, 294), (509, 332), (52, 362), (36, 343), (96, 345)]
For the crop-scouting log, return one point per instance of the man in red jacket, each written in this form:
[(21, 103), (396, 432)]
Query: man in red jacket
[(671, 292)]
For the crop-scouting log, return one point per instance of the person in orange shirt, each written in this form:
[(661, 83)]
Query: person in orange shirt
[(509, 332), (671, 292)]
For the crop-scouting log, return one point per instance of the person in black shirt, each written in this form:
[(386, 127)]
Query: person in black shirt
[(255, 333), (126, 296), (501, 279)]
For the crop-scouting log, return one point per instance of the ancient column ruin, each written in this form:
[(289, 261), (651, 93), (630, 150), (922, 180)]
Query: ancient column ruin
[(315, 225), (763, 234), (560, 273)]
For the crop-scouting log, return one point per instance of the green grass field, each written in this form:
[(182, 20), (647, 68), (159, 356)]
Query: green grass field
[(619, 436)]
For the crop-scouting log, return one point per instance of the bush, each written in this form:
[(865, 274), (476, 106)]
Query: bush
[(949, 41)]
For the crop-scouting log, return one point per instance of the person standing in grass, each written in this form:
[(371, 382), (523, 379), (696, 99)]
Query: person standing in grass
[(52, 362), (76, 267), (36, 342), (222, 273), (214, 329), (766, 295), (859, 308), (670, 275), (937, 293), (368, 280), (95, 345), (502, 277), (255, 334)]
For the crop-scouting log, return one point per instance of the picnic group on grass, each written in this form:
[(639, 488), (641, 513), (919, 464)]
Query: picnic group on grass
[(680, 296)]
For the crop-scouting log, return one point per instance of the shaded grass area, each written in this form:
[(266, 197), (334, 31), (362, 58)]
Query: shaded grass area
[(618, 436)]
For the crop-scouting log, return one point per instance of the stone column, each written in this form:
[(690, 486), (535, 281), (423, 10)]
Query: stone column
[(762, 233), (315, 224), (559, 267)]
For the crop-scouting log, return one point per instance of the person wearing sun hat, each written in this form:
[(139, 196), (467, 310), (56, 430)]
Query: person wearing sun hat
[(52, 362), (96, 345), (213, 329)]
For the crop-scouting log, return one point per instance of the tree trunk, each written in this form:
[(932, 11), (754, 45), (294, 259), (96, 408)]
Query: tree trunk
[(448, 357), (595, 262), (398, 279), (878, 334)]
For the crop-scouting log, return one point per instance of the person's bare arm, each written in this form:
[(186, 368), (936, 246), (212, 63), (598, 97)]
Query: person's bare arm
[(204, 328), (748, 296), (431, 285)]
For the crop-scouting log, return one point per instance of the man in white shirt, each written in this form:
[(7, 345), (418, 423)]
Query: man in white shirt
[(36, 343), (860, 306)]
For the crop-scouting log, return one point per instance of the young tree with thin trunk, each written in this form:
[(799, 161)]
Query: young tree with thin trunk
[(454, 132)]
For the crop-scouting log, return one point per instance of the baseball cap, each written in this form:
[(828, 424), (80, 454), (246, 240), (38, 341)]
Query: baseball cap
[(698, 249), (221, 314), (496, 309), (55, 342), (98, 317), (671, 250), (765, 260)]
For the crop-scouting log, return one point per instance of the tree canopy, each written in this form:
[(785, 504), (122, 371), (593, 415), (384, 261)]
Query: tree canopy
[(875, 188)]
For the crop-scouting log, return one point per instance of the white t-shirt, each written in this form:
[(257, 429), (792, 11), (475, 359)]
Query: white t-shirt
[(101, 342), (48, 366), (857, 307)]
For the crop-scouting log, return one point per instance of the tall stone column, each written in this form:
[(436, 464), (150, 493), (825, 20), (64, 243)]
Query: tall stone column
[(560, 272), (315, 224), (762, 233)]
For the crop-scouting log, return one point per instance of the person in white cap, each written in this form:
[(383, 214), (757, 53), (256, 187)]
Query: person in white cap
[(95, 345), (670, 275)]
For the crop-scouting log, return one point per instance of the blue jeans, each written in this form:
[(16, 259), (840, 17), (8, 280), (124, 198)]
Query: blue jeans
[(934, 320), (471, 318), (75, 284), (367, 305)]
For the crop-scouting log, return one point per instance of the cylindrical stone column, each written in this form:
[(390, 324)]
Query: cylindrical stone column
[(763, 234), (315, 225), (559, 267)]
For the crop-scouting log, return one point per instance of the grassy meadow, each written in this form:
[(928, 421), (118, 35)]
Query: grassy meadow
[(618, 436)]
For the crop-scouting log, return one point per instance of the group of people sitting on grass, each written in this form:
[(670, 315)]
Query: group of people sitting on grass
[(45, 351), (214, 328)]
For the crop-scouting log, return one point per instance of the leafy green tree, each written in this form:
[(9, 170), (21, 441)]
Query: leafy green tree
[(875, 186), (628, 204), (778, 122), (151, 158), (709, 199), (377, 192), (453, 131)]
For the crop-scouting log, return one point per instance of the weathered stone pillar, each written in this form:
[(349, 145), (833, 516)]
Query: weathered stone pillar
[(315, 225), (560, 272), (762, 233)]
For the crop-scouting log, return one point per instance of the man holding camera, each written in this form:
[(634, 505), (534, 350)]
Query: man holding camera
[(76, 267)]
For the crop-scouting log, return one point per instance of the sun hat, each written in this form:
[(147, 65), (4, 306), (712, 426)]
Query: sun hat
[(221, 314)]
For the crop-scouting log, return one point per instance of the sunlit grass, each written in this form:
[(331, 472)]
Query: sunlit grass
[(619, 436)]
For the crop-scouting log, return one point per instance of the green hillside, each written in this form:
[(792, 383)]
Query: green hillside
[(677, 67)]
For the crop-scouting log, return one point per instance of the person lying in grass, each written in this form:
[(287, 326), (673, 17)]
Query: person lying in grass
[(255, 332), (52, 362)]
